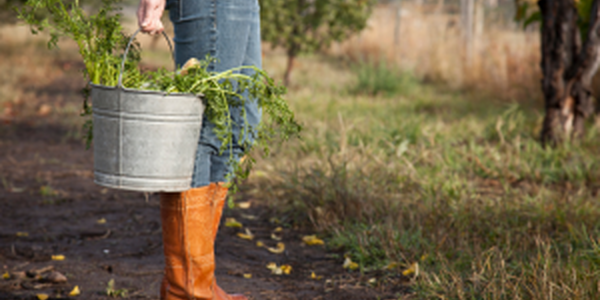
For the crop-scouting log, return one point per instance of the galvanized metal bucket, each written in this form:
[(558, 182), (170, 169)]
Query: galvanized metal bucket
[(144, 140)]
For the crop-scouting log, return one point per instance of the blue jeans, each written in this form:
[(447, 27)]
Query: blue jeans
[(228, 30)]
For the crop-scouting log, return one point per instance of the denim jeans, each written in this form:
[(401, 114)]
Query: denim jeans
[(228, 30)]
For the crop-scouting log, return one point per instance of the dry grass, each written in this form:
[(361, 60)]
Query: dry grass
[(505, 61)]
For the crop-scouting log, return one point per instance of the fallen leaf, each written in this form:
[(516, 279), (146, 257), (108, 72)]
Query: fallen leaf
[(280, 248), (312, 240), (283, 269), (75, 291), (287, 269), (6, 275), (58, 257), (275, 237), (260, 244), (247, 275), (233, 223), (55, 277), (244, 205), (42, 296), (391, 266), (246, 236), (101, 221), (249, 217), (278, 229), (315, 277), (372, 281), (274, 268), (349, 264), (22, 234), (412, 269)]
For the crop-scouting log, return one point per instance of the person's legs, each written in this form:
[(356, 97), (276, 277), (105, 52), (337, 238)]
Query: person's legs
[(188, 244), (229, 32), (239, 41)]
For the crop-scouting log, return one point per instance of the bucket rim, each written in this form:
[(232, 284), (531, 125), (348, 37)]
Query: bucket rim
[(162, 93)]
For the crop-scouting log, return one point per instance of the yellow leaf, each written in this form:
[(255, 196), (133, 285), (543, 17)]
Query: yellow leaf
[(260, 244), (412, 269), (101, 221), (280, 248), (58, 257), (274, 268), (275, 237), (75, 291), (312, 240), (244, 205), (315, 277), (6, 275), (246, 236), (247, 275), (287, 269), (278, 229), (283, 269), (42, 296), (349, 264), (22, 234), (391, 266), (233, 223)]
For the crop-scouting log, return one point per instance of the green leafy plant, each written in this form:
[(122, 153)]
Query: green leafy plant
[(101, 43), (301, 26), (115, 293)]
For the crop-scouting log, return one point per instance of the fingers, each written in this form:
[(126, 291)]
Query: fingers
[(149, 13)]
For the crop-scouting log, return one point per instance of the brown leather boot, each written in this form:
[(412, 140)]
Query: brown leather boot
[(188, 238), (219, 197)]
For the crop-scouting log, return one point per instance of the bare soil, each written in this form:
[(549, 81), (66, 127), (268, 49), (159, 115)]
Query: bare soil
[(50, 206)]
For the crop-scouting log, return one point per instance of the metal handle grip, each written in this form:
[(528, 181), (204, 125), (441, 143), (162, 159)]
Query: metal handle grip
[(127, 51)]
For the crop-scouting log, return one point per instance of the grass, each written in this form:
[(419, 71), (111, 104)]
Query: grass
[(375, 78), (454, 182)]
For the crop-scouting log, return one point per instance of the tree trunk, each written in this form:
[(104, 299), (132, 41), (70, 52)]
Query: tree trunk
[(289, 67), (568, 68)]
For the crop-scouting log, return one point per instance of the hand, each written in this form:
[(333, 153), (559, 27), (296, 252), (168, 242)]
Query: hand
[(149, 13)]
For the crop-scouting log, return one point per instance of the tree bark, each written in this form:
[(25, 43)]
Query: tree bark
[(288, 70), (568, 68)]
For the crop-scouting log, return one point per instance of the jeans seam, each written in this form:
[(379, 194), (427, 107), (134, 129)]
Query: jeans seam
[(180, 14), (214, 34)]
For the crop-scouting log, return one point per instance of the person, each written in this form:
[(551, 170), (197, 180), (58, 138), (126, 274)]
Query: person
[(228, 31)]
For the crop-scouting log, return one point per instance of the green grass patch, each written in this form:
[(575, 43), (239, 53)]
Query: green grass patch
[(380, 78), (459, 185)]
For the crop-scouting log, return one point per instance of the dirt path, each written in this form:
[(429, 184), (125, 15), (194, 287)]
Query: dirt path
[(50, 206)]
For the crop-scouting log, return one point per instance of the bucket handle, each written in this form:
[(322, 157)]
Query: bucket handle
[(127, 51)]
